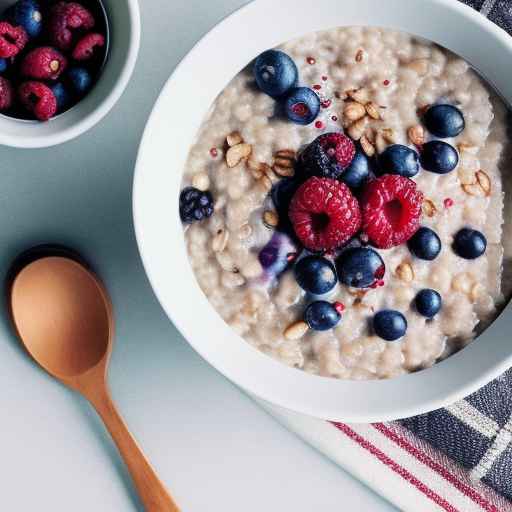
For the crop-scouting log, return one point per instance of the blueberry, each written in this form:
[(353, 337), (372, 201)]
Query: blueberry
[(321, 316), (360, 267), (425, 244), (399, 159), (428, 303), (444, 121), (302, 105), (274, 257), (195, 205), (315, 275), (3, 65), (389, 325), (26, 13), (80, 80), (469, 244), (281, 194), (359, 171), (61, 95), (275, 73), (439, 157)]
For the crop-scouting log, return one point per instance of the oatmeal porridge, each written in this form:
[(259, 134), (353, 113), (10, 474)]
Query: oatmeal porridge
[(343, 204)]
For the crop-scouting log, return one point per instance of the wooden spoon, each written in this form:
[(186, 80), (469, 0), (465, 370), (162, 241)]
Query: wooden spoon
[(64, 319)]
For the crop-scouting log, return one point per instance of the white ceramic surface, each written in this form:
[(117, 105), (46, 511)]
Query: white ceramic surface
[(177, 115), (124, 28)]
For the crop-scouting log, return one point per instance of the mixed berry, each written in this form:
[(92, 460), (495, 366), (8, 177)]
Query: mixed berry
[(341, 201), (50, 55)]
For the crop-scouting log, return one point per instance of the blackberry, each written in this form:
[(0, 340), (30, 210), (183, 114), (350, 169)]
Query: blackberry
[(195, 204)]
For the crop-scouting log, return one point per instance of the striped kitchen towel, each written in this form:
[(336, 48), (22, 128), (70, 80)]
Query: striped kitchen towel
[(456, 459)]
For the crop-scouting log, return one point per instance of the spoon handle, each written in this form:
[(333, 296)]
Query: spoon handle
[(152, 492)]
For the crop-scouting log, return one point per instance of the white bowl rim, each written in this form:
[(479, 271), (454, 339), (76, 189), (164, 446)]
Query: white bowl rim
[(155, 205), (83, 124)]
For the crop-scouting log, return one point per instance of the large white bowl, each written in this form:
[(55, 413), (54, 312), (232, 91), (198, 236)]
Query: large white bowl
[(124, 29), (169, 134)]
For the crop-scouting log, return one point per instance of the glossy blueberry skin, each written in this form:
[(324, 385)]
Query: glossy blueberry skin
[(79, 79), (321, 316), (389, 325), (360, 267), (3, 65), (425, 244), (281, 194), (302, 105), (428, 303), (62, 96), (275, 73), (444, 121), (26, 13), (315, 275), (439, 157), (469, 244), (399, 159), (358, 172)]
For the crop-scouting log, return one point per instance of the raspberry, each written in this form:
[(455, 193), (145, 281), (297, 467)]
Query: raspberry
[(391, 208), (85, 48), (5, 93), (43, 63), (328, 155), (324, 214), (66, 17), (12, 40), (38, 99)]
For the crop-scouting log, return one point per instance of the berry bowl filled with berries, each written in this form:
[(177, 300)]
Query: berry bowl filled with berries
[(330, 229), (60, 68)]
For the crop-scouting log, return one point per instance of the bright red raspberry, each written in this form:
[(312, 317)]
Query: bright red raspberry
[(86, 47), (5, 93), (339, 147), (12, 40), (39, 99), (44, 63), (391, 209), (324, 214), (65, 18)]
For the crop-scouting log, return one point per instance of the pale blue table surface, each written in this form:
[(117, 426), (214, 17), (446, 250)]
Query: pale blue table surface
[(211, 444)]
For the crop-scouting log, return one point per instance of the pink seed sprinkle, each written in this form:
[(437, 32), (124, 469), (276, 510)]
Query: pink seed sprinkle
[(311, 60), (339, 307), (317, 87), (334, 118), (214, 152), (326, 103), (325, 78), (386, 82), (291, 256), (319, 124), (448, 202)]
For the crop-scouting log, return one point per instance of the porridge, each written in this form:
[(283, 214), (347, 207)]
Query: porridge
[(343, 203)]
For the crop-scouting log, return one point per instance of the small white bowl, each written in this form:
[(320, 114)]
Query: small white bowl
[(124, 27), (170, 132)]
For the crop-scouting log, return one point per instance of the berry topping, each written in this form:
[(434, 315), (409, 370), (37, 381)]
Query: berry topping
[(448, 202), (444, 121), (360, 267), (428, 303), (27, 14), (391, 210), (65, 18), (282, 194), (87, 46), (6, 94), (425, 244), (61, 95), (39, 99), (469, 244), (276, 255), (439, 157), (328, 155), (302, 105), (399, 159), (44, 63), (359, 171), (275, 73), (324, 214), (389, 325), (3, 65), (315, 275), (322, 316), (195, 204), (12, 40), (80, 80)]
